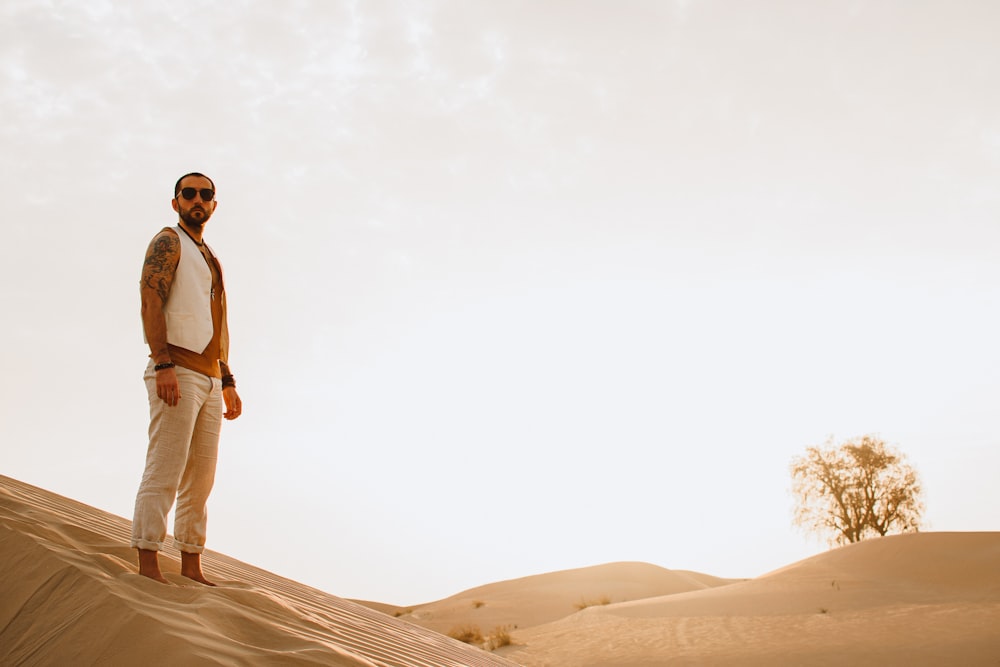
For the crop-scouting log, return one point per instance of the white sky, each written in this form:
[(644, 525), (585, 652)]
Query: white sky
[(515, 286)]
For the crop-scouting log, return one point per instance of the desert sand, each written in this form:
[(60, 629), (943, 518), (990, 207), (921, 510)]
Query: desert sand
[(916, 599), (71, 595)]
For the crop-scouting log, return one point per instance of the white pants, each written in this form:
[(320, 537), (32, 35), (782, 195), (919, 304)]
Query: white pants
[(180, 462)]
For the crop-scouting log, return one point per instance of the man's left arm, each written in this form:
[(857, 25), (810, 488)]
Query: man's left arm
[(234, 406)]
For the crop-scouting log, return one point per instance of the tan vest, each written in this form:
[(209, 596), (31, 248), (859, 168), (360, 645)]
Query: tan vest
[(189, 306)]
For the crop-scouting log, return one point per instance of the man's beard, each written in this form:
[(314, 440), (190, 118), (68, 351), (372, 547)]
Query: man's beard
[(195, 222)]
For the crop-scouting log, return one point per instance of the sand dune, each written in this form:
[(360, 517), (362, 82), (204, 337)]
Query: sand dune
[(539, 599), (71, 596), (917, 599)]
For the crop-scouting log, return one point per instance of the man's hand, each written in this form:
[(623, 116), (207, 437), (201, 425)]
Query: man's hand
[(167, 387), (234, 406)]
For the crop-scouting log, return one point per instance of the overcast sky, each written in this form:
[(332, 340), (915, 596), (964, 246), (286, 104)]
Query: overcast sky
[(514, 286)]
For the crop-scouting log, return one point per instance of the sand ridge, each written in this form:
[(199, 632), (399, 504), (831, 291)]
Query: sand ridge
[(538, 599), (71, 595)]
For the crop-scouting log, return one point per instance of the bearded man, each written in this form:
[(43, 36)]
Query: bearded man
[(188, 381)]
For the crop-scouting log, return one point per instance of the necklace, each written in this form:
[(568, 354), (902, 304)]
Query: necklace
[(197, 243), (202, 248)]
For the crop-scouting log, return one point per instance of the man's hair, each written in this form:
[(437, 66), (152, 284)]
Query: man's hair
[(177, 186)]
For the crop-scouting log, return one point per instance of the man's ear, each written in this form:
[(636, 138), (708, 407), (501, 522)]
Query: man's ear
[(173, 202)]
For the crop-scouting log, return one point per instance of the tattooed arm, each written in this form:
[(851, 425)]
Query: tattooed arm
[(157, 276)]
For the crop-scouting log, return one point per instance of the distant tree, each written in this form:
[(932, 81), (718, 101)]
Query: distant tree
[(859, 489)]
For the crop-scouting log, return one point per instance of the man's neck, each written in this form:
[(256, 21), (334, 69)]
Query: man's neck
[(193, 232)]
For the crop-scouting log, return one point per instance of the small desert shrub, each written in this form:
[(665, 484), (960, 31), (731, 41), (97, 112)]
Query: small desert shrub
[(402, 612), (499, 637), (583, 604), (478, 603), (470, 634)]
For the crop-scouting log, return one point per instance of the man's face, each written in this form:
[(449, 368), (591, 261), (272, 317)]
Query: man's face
[(195, 211)]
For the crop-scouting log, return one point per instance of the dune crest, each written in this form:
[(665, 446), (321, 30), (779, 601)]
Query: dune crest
[(542, 598), (72, 595)]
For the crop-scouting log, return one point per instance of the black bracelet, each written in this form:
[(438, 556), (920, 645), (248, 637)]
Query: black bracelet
[(228, 381), (160, 367)]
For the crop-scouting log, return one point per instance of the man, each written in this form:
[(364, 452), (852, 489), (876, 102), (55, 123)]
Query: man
[(188, 381)]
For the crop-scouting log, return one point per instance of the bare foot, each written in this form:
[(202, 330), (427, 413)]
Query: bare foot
[(149, 565), (191, 568), (200, 578)]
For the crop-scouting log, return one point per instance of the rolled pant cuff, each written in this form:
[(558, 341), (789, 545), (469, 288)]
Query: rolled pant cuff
[(147, 545), (189, 548)]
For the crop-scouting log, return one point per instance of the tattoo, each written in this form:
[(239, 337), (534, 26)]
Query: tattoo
[(161, 263)]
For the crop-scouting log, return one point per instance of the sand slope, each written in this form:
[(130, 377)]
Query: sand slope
[(71, 596), (918, 599)]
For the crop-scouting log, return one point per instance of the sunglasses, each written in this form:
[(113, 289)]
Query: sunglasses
[(189, 193)]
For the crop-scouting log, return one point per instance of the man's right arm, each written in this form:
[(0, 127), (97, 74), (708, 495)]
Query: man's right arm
[(158, 271)]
